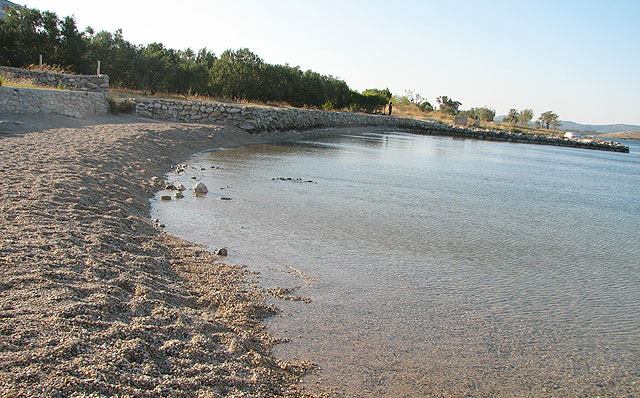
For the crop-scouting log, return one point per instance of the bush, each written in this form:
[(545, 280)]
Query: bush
[(1, 80), (328, 106), (117, 106), (127, 106), (485, 114)]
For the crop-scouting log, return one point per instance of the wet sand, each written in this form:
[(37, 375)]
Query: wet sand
[(94, 297)]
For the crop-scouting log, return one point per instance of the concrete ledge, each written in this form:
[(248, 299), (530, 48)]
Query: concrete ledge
[(78, 104)]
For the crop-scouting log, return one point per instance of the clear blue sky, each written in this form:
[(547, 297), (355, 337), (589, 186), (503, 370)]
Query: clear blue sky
[(578, 58)]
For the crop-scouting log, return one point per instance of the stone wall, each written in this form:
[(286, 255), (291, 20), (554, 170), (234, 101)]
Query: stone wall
[(79, 104), (256, 119), (70, 82)]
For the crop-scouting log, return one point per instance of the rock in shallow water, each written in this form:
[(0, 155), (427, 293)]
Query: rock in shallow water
[(222, 252), (200, 188), (165, 197)]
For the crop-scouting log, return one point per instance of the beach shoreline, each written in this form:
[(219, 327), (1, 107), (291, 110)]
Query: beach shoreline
[(95, 297)]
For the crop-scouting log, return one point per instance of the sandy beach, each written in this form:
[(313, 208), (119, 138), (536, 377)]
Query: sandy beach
[(95, 299)]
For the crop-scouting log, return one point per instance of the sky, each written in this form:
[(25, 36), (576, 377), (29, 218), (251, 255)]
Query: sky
[(580, 59)]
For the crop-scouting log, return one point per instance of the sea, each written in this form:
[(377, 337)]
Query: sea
[(419, 266)]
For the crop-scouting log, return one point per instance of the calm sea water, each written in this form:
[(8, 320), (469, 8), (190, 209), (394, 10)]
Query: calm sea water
[(436, 266)]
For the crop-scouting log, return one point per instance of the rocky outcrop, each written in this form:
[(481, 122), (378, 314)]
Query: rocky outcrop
[(257, 119), (78, 104), (92, 83)]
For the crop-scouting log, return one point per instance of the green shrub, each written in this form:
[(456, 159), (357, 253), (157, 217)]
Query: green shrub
[(127, 106), (328, 106), (1, 80), (117, 106)]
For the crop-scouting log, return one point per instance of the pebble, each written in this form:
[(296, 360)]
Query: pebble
[(200, 188)]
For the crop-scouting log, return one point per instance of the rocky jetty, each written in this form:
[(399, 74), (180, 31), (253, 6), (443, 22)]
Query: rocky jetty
[(258, 119)]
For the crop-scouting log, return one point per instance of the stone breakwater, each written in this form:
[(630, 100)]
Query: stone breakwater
[(257, 119), (50, 79), (78, 104)]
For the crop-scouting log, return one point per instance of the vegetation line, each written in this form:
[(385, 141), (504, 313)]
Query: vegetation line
[(235, 75)]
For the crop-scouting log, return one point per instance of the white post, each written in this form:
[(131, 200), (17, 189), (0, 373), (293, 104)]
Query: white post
[(98, 68), (40, 61)]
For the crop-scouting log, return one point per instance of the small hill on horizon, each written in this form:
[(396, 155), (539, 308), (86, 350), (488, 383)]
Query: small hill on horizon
[(567, 125)]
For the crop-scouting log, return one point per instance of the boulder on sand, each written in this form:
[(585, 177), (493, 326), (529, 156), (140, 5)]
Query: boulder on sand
[(200, 188)]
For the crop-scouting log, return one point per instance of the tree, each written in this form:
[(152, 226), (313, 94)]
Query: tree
[(237, 74), (512, 117), (121, 60), (448, 105), (525, 116), (485, 113), (549, 119), (72, 46), (371, 100), (27, 33), (385, 94)]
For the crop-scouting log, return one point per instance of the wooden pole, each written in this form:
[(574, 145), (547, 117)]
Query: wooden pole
[(40, 61), (98, 68)]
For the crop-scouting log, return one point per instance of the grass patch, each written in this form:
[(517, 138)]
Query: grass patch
[(25, 83), (49, 68), (123, 93)]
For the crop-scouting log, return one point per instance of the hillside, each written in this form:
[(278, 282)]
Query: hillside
[(598, 128), (623, 136), (567, 125)]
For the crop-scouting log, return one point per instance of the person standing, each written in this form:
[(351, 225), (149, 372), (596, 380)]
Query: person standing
[(390, 107)]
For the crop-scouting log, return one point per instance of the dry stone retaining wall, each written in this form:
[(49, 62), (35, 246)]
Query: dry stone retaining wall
[(70, 82), (258, 119), (79, 104)]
